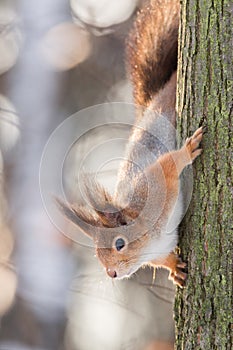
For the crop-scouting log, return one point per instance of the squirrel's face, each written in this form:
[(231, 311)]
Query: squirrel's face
[(119, 238), (123, 258)]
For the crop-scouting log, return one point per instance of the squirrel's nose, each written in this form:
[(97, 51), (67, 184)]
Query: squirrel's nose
[(112, 273)]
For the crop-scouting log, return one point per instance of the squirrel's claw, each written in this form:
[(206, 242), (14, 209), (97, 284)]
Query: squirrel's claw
[(175, 265), (177, 275), (192, 143), (179, 280)]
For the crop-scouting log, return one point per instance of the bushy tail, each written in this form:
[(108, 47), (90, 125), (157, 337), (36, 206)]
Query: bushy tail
[(152, 48)]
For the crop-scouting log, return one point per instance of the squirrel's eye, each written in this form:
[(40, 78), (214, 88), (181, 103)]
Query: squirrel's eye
[(119, 244)]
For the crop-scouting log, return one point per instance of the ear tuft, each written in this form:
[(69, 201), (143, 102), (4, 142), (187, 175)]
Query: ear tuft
[(110, 214), (80, 216)]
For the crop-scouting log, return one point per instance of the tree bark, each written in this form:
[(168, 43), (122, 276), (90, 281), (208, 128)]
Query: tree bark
[(203, 309)]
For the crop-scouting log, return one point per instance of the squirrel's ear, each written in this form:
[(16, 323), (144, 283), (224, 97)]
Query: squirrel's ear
[(79, 216), (111, 218), (109, 215)]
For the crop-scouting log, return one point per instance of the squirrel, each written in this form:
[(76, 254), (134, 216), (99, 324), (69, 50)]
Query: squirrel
[(138, 224)]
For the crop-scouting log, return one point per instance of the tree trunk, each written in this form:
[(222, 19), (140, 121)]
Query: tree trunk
[(203, 310)]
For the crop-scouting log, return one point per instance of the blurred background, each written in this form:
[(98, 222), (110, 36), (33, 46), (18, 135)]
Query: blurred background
[(58, 57)]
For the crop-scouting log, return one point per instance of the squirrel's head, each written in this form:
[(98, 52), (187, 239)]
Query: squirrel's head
[(123, 257), (118, 234)]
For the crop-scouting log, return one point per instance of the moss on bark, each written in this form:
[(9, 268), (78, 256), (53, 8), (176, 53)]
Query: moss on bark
[(203, 310)]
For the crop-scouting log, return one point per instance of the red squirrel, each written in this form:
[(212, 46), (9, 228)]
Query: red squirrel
[(132, 228)]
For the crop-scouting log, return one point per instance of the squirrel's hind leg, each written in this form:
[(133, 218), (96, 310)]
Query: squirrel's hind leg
[(190, 151), (174, 162)]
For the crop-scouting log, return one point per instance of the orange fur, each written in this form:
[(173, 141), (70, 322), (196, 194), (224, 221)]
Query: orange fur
[(152, 48), (175, 265)]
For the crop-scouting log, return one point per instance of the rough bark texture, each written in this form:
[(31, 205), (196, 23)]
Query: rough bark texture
[(203, 310)]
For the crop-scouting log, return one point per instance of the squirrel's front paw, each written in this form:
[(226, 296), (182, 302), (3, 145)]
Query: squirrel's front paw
[(177, 275), (192, 144), (175, 265)]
